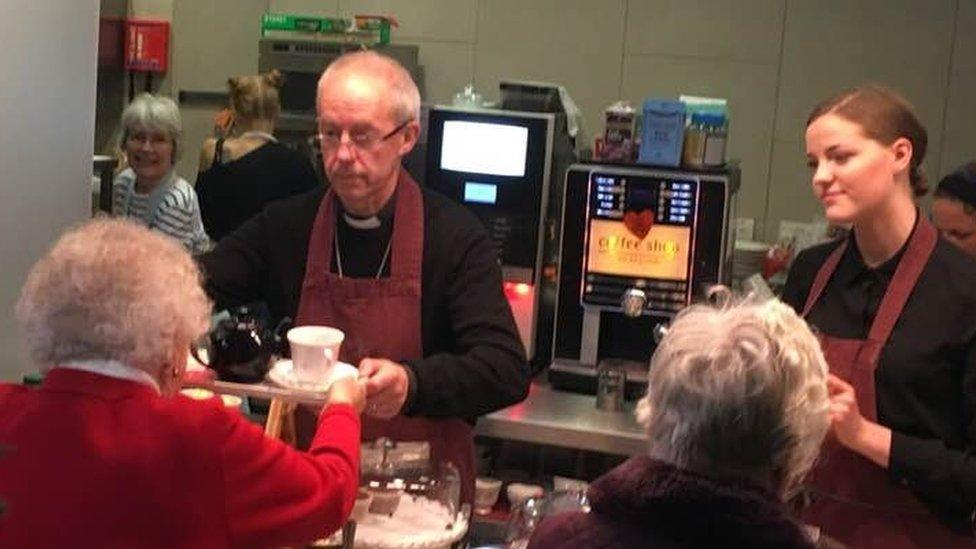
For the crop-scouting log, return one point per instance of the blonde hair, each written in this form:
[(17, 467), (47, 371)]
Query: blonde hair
[(738, 389), (405, 96), (112, 289), (256, 97)]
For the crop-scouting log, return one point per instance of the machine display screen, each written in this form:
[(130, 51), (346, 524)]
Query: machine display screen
[(481, 193), (484, 147), (639, 234)]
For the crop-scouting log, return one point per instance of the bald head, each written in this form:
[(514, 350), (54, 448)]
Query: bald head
[(368, 68), (368, 117)]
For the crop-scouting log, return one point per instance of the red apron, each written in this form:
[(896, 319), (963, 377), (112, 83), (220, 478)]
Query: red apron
[(381, 319), (854, 500)]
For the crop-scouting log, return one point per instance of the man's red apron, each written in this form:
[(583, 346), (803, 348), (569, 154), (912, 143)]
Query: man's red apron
[(854, 501), (381, 319)]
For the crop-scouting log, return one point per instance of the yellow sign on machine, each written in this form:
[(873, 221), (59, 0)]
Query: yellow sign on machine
[(662, 253)]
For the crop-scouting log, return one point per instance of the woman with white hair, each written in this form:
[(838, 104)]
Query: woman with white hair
[(736, 409), (106, 454), (148, 190)]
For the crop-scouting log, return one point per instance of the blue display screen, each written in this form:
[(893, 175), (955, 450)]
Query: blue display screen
[(482, 193)]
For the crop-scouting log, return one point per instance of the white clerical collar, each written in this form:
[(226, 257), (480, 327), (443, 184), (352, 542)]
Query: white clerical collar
[(361, 223), (114, 369)]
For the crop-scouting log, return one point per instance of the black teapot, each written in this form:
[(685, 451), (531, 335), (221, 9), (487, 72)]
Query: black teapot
[(239, 349)]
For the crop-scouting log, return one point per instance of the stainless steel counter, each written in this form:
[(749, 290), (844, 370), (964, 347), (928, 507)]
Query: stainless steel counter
[(566, 419), (547, 416)]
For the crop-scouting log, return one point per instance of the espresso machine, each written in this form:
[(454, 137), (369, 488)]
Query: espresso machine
[(638, 245)]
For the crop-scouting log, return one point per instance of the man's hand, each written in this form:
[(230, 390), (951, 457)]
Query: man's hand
[(386, 386)]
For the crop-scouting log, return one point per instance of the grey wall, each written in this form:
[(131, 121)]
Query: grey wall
[(773, 59), (47, 116)]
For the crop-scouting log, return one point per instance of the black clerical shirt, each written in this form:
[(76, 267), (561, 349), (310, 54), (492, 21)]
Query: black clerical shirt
[(925, 382)]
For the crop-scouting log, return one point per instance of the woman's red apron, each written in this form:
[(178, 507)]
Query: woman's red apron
[(854, 500), (381, 319)]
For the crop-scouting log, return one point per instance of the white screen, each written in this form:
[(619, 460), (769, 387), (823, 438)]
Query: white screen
[(482, 147)]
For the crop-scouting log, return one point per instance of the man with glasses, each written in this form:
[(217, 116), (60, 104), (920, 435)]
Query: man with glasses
[(410, 277)]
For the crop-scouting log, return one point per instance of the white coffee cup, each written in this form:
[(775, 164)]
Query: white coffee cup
[(486, 492), (314, 351), (518, 492)]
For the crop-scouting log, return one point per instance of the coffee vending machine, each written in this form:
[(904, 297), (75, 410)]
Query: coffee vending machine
[(638, 244)]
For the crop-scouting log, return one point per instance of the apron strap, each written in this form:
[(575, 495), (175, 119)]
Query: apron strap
[(909, 270), (407, 249), (319, 258), (823, 276)]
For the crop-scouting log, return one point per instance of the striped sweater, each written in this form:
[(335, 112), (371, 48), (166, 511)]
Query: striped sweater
[(171, 208)]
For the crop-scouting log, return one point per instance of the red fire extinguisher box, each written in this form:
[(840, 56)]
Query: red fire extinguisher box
[(146, 45)]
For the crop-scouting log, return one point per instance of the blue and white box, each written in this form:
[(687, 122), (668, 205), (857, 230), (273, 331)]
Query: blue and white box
[(662, 133)]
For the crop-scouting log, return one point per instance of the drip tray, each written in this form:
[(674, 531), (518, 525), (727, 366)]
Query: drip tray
[(578, 377)]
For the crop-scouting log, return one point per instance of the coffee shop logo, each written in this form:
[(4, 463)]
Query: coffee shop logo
[(623, 243)]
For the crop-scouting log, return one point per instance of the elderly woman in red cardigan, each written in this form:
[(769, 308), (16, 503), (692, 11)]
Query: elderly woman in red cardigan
[(736, 410), (105, 453)]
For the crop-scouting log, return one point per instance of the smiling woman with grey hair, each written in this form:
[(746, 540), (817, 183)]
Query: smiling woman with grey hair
[(105, 449), (736, 409), (149, 191)]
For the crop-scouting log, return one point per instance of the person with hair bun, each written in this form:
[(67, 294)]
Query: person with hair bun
[(243, 172), (895, 310), (954, 208)]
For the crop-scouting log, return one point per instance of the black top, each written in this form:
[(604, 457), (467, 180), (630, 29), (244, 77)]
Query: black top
[(925, 383), (474, 362), (231, 193)]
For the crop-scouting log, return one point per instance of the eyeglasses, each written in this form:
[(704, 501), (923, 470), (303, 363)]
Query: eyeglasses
[(361, 140), (154, 140)]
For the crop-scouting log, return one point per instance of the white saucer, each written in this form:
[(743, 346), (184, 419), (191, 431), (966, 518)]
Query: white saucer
[(282, 374)]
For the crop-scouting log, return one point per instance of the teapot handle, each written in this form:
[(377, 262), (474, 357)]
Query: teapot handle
[(196, 355), (280, 336)]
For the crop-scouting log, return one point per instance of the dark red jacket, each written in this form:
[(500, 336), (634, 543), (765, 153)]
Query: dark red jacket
[(648, 504), (95, 461)]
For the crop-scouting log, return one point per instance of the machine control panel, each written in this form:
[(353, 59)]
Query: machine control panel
[(639, 236)]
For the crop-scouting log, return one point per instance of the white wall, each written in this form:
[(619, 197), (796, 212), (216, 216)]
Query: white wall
[(47, 123)]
